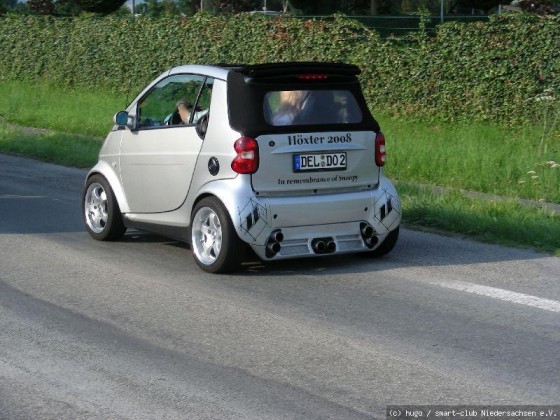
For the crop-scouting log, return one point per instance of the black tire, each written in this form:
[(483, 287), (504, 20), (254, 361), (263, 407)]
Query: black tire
[(215, 244), (100, 211), (387, 245)]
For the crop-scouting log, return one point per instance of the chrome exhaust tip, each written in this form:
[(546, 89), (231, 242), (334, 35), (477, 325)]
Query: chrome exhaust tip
[(273, 248), (273, 245), (277, 236), (368, 235), (323, 245), (371, 242), (366, 230), (319, 246)]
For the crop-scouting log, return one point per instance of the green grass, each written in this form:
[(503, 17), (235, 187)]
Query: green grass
[(67, 111), (505, 222), (478, 157), (514, 163), (50, 146)]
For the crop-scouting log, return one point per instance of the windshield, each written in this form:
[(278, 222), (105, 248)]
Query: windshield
[(310, 107)]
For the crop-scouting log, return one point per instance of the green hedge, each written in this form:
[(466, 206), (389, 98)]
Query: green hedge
[(484, 71)]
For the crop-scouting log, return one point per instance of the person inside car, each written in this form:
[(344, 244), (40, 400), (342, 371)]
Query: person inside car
[(183, 110), (181, 115), (290, 105)]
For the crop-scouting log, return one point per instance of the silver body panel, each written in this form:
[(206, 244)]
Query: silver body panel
[(156, 167)]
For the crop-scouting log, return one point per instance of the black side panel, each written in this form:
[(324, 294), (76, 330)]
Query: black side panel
[(248, 85), (181, 234), (282, 69)]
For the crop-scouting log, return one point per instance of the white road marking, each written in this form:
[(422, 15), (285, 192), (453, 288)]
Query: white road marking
[(501, 294), (12, 196)]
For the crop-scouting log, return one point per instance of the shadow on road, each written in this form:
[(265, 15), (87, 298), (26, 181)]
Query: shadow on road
[(414, 249)]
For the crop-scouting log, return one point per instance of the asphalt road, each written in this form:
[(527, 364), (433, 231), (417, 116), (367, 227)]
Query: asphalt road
[(135, 330)]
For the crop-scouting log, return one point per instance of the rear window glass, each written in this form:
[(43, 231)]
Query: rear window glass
[(310, 107)]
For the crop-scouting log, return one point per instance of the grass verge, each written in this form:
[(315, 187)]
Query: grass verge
[(68, 111), (521, 162), (505, 222), (50, 146)]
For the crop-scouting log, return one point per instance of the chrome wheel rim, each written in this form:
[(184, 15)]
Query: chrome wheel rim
[(95, 207), (206, 235)]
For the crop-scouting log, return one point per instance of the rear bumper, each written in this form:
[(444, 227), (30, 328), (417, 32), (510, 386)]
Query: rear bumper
[(321, 224)]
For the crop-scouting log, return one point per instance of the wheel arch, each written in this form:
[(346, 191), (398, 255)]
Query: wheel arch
[(216, 246), (234, 194), (202, 197), (105, 170)]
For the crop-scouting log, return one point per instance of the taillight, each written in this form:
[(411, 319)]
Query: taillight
[(247, 159), (312, 76), (380, 153)]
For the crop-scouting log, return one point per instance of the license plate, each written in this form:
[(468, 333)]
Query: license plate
[(319, 162)]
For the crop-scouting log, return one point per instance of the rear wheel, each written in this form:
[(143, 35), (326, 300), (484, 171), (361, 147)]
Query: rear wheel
[(387, 245), (215, 244), (100, 210)]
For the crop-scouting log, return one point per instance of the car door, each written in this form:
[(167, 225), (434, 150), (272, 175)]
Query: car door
[(158, 156)]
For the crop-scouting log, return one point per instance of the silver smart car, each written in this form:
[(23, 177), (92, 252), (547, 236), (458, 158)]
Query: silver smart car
[(284, 158)]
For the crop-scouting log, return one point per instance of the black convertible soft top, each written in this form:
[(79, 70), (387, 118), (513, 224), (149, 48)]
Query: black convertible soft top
[(248, 85)]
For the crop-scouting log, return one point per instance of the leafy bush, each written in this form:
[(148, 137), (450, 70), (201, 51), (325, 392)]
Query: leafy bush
[(485, 71)]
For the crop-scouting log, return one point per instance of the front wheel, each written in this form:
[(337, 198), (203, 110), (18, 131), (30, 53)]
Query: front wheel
[(100, 210), (215, 244)]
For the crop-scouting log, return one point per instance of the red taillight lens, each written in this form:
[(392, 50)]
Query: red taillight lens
[(380, 153), (247, 159), (312, 76)]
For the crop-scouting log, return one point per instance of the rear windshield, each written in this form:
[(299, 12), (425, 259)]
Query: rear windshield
[(311, 107)]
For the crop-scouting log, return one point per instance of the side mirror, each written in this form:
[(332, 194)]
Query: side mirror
[(122, 119)]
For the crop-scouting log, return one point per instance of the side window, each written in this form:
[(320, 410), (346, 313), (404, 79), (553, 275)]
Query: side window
[(170, 102), (203, 104)]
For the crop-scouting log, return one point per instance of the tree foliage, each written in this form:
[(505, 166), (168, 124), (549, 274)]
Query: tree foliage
[(158, 8), (103, 7), (484, 5), (239, 6), (349, 7), (41, 7), (541, 7), (63, 7)]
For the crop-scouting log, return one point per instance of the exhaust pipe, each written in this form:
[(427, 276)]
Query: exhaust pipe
[(273, 245), (323, 245), (273, 248), (368, 235), (371, 242), (319, 247), (277, 236), (367, 231)]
